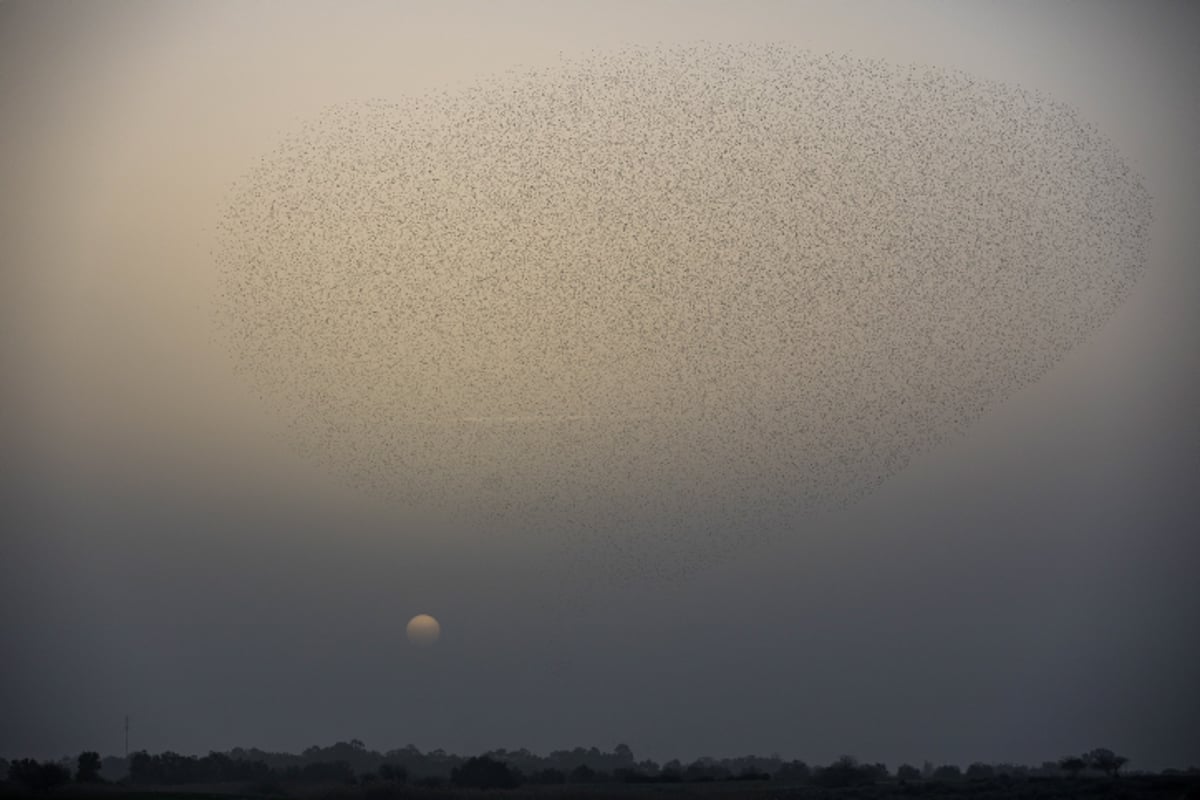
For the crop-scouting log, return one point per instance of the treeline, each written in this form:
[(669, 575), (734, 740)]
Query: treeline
[(48, 774), (350, 763)]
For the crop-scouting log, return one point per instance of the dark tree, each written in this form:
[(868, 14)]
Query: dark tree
[(794, 771), (24, 771), (947, 772), (548, 777), (1006, 769), (1106, 761), (907, 772), (1072, 765), (141, 765), (52, 775), (324, 772), (980, 771), (393, 773), (582, 774), (38, 777), (629, 775), (482, 772), (87, 768), (705, 769), (846, 771)]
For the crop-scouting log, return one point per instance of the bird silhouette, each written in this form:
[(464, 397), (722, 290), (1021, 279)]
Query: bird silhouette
[(665, 301)]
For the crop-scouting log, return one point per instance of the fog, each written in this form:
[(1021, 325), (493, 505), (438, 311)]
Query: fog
[(182, 545)]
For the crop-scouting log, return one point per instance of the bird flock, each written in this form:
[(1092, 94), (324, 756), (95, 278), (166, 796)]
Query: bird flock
[(663, 302)]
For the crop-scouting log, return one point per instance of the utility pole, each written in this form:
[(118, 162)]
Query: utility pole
[(127, 739)]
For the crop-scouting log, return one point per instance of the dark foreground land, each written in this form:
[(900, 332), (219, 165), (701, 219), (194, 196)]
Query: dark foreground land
[(1131, 787)]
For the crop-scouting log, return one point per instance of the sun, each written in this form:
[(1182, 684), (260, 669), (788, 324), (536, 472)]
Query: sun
[(423, 630)]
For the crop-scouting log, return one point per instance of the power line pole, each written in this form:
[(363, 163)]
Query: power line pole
[(126, 737)]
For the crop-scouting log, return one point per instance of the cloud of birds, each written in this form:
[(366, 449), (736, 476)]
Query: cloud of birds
[(665, 301)]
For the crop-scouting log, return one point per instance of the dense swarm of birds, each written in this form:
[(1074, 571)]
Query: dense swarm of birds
[(664, 301)]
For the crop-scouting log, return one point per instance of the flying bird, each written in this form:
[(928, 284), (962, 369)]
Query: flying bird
[(668, 300)]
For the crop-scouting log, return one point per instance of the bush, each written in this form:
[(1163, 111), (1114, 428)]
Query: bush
[(482, 772), (322, 772), (582, 774), (393, 773), (548, 777), (88, 767), (38, 777), (794, 772), (948, 772), (846, 771), (266, 789)]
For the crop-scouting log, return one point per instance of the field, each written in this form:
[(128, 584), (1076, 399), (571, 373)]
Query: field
[(1158, 787)]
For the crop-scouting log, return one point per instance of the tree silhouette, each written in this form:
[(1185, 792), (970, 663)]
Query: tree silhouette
[(1106, 761), (23, 771), (582, 774), (846, 771), (393, 773), (548, 777), (794, 771), (705, 769), (88, 767), (948, 772), (322, 772), (482, 772), (38, 777), (503, 768)]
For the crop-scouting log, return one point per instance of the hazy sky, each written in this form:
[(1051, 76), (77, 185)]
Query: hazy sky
[(1019, 592)]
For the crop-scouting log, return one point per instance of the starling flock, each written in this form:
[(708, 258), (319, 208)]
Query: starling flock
[(664, 302)]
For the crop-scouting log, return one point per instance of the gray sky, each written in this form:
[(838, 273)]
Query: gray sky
[(1020, 591)]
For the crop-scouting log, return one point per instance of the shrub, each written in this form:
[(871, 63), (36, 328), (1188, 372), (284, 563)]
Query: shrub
[(482, 772)]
